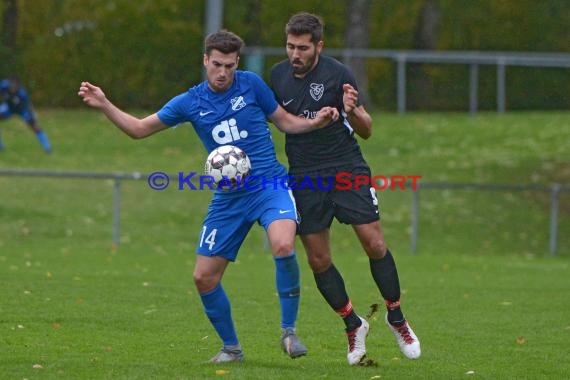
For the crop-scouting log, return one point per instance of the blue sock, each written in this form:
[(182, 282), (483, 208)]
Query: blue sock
[(219, 312), (288, 288), (44, 141)]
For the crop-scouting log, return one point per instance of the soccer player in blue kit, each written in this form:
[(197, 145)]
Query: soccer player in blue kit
[(232, 107), (15, 100)]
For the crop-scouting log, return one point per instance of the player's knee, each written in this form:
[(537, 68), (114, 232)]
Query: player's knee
[(319, 263), (204, 282), (198, 278), (375, 248), (282, 247)]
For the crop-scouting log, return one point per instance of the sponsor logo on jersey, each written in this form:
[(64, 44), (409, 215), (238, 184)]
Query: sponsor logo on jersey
[(308, 114), (317, 90), (227, 132)]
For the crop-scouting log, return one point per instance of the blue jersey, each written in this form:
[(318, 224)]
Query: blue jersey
[(17, 102), (237, 116)]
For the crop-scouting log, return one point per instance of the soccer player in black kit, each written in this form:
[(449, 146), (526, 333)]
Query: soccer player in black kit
[(303, 84)]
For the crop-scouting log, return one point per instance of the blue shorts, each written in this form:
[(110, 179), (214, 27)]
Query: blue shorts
[(230, 218), (26, 114)]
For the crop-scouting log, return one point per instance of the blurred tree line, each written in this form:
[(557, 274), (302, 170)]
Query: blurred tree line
[(146, 51)]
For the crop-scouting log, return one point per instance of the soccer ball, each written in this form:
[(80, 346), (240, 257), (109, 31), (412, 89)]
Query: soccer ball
[(228, 165)]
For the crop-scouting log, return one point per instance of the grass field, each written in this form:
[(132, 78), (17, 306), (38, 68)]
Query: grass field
[(484, 295)]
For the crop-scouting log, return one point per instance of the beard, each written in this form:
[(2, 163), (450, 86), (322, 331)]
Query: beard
[(301, 69)]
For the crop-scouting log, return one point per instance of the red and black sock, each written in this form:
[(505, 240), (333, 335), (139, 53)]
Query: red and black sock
[(331, 286), (385, 275)]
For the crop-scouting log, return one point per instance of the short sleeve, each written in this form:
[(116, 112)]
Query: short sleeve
[(172, 113), (264, 96)]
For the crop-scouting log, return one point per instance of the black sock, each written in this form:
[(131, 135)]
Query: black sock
[(331, 286), (385, 275)]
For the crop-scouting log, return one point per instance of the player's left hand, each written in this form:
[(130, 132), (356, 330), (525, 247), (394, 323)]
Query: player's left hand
[(326, 115), (349, 98)]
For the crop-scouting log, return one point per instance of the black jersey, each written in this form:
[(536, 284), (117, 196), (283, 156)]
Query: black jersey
[(322, 86)]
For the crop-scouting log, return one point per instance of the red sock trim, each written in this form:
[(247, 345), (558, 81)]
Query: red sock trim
[(345, 310), (392, 305)]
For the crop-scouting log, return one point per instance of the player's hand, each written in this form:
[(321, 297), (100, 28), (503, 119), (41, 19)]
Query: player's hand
[(325, 116), (92, 95), (349, 98)]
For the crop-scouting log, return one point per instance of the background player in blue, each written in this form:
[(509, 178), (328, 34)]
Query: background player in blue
[(232, 107), (15, 100), (304, 83)]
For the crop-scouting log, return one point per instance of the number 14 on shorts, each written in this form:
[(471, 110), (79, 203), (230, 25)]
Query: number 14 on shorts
[(210, 239)]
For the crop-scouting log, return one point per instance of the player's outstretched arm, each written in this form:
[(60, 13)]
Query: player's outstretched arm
[(357, 116), (134, 127), (289, 123)]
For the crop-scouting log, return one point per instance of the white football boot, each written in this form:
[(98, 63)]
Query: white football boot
[(407, 341), (357, 343)]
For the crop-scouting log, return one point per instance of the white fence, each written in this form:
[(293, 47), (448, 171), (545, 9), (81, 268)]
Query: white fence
[(554, 190), (116, 177), (254, 55)]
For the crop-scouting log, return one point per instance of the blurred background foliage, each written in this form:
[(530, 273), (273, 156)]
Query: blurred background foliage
[(146, 51)]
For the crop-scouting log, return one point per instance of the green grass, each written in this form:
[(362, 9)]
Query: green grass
[(483, 293)]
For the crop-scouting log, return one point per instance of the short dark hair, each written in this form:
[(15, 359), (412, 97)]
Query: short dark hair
[(223, 41), (306, 23)]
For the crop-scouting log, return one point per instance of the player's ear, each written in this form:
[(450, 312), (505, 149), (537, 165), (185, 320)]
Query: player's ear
[(206, 59), (320, 46)]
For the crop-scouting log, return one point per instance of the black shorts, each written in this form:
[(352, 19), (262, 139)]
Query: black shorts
[(332, 193)]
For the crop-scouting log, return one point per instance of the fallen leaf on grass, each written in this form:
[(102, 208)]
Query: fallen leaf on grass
[(520, 340), (56, 325), (367, 362), (470, 373), (372, 311), (37, 366), (222, 372)]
